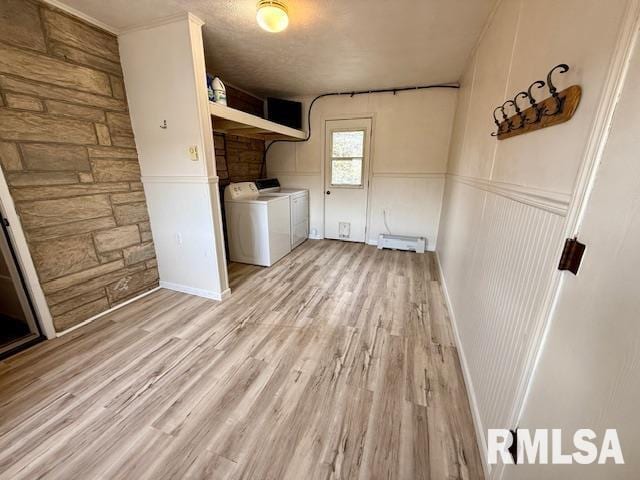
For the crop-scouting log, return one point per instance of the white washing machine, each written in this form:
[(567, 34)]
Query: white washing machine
[(258, 226), (298, 203)]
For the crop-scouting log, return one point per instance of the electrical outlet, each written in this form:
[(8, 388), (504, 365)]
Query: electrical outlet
[(193, 153)]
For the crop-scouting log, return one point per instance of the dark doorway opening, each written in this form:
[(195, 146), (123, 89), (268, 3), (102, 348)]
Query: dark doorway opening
[(19, 328)]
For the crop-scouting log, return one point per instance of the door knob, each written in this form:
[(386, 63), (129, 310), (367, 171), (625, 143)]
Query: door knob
[(328, 192)]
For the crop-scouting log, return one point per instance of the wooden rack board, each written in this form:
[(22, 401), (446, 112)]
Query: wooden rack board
[(570, 98), (236, 122)]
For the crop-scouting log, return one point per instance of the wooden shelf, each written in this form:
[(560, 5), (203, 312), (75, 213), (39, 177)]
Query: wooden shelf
[(235, 122)]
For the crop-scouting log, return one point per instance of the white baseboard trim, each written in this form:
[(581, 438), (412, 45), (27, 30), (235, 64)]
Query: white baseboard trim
[(475, 412), (315, 237), (199, 292), (106, 312)]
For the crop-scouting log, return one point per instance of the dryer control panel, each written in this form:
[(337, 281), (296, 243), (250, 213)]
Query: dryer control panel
[(268, 184)]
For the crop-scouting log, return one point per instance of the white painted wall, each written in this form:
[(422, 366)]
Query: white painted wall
[(506, 202), (164, 74), (159, 74), (411, 133), (587, 376), (182, 229)]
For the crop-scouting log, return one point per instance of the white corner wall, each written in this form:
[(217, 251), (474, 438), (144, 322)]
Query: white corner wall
[(159, 77), (164, 75), (506, 202), (411, 133)]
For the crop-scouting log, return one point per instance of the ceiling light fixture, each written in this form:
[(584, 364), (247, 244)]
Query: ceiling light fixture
[(272, 15)]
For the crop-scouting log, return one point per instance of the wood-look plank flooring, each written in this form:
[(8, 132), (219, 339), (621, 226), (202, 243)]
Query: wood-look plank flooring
[(336, 363)]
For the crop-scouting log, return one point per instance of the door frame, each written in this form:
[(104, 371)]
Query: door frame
[(20, 288), (323, 164), (24, 261)]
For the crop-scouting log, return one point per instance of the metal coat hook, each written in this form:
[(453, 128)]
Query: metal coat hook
[(557, 108), (520, 113), (505, 116), (497, 122), (532, 101), (163, 125), (563, 68)]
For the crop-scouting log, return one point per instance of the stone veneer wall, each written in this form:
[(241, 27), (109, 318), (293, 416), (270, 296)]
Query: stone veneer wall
[(68, 154)]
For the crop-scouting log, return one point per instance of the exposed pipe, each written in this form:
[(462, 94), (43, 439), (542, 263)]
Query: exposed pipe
[(352, 94)]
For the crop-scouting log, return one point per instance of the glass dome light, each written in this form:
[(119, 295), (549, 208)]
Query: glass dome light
[(272, 15)]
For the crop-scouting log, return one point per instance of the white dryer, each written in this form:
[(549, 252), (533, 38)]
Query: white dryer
[(298, 203), (258, 226)]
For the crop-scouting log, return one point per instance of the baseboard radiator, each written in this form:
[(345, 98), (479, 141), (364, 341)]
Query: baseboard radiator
[(402, 242)]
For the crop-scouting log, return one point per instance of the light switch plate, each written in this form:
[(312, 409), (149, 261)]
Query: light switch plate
[(193, 153)]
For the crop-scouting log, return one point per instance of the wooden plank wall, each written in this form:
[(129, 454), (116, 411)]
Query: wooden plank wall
[(243, 101), (68, 154)]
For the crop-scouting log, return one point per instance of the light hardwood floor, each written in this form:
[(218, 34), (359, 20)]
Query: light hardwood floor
[(336, 363)]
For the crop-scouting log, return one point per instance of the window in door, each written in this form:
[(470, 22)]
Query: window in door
[(347, 153)]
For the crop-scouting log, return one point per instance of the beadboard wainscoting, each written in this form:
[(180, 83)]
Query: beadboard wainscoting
[(498, 259), (503, 223)]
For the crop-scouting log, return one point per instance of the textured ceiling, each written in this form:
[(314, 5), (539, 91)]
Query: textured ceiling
[(330, 45)]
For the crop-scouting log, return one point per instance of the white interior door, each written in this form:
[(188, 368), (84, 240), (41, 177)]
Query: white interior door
[(587, 375), (346, 180)]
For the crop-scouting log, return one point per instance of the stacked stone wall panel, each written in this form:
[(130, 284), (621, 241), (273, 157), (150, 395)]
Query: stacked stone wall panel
[(68, 154)]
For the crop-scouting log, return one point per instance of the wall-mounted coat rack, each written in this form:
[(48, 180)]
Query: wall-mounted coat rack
[(558, 108)]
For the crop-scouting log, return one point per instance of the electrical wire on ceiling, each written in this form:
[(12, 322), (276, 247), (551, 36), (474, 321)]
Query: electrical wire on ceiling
[(352, 94)]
